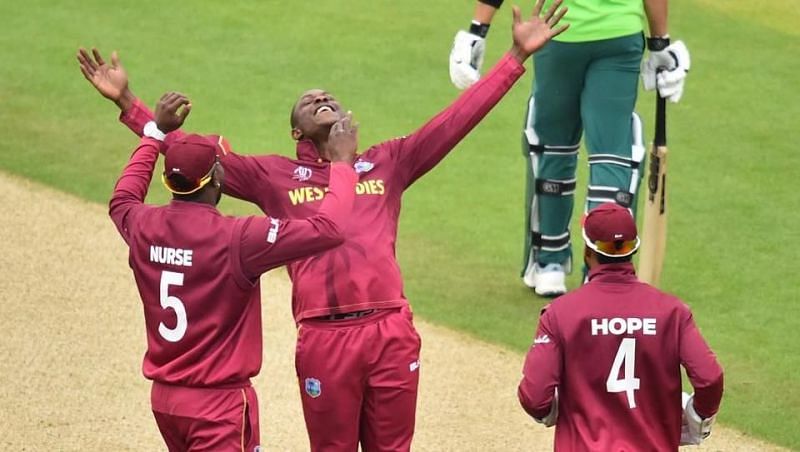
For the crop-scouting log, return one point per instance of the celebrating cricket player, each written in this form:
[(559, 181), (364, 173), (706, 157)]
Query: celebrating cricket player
[(198, 272), (357, 356), (605, 367)]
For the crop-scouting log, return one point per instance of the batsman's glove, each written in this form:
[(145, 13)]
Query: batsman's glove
[(666, 67), (466, 59), (694, 429)]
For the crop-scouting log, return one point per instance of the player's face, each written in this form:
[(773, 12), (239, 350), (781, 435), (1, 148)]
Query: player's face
[(315, 112)]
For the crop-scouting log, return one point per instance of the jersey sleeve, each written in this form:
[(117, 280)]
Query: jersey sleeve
[(241, 172), (541, 373), (266, 242), (131, 188), (418, 153), (702, 368)]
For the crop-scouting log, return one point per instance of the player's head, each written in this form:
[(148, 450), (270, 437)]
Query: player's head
[(192, 171), (609, 232), (313, 115)]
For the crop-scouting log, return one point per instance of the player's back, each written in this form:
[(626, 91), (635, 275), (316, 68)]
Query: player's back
[(202, 314), (621, 381)]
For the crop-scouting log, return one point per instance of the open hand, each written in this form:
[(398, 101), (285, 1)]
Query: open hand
[(169, 115), (532, 34), (110, 80), (343, 139)]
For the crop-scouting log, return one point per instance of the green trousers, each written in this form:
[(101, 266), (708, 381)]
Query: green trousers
[(582, 87)]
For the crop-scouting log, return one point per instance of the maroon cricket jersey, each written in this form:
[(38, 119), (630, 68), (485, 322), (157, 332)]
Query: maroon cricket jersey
[(614, 348), (362, 273), (197, 272)]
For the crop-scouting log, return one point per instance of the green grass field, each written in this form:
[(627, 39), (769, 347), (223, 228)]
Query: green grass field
[(733, 209)]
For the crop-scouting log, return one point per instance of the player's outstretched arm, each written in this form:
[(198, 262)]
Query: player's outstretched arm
[(131, 188), (288, 240), (419, 152), (533, 33), (109, 79)]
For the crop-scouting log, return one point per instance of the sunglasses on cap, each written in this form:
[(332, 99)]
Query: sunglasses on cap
[(616, 248), (202, 182)]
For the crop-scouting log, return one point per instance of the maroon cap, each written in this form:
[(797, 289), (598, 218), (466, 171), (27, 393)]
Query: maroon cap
[(191, 157), (610, 230)]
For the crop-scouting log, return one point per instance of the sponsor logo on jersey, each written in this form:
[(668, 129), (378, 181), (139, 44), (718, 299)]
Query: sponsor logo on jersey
[(619, 326), (413, 366), (302, 195), (272, 235), (543, 339), (302, 174), (313, 387), (363, 166)]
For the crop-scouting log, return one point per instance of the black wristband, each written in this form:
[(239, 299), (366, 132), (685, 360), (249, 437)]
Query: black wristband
[(657, 43), (479, 29), (494, 3)]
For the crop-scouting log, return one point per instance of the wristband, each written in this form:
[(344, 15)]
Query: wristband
[(479, 29), (494, 3), (151, 130), (657, 43)]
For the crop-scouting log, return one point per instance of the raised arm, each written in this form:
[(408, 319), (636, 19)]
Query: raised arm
[(266, 243), (111, 81), (417, 153), (131, 187)]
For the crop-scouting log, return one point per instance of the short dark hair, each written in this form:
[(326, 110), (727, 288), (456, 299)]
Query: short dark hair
[(180, 183), (603, 259)]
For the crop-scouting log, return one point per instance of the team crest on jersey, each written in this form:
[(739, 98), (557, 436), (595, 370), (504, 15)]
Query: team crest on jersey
[(313, 387), (302, 174), (363, 166)]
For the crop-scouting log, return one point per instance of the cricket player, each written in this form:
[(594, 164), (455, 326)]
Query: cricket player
[(357, 356), (585, 80), (605, 363), (198, 272)]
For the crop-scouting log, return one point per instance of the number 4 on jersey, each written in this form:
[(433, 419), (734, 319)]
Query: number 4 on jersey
[(626, 353)]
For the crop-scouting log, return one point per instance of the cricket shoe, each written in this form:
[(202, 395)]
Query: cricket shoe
[(547, 281)]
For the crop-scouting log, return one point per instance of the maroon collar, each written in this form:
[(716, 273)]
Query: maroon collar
[(307, 151), (613, 273), (185, 205)]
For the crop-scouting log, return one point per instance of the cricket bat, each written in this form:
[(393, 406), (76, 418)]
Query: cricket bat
[(654, 225)]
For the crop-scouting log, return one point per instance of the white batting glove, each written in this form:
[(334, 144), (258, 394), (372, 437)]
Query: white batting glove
[(466, 59), (694, 429), (675, 62)]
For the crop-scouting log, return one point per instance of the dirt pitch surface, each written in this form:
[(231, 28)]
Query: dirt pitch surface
[(70, 377)]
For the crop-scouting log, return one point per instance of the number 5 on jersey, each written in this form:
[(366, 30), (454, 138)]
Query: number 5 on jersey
[(171, 302), (626, 353)]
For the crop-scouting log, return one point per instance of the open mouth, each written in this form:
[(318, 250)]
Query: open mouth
[(322, 109)]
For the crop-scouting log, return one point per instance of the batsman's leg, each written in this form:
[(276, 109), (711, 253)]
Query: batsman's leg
[(551, 140), (614, 135)]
